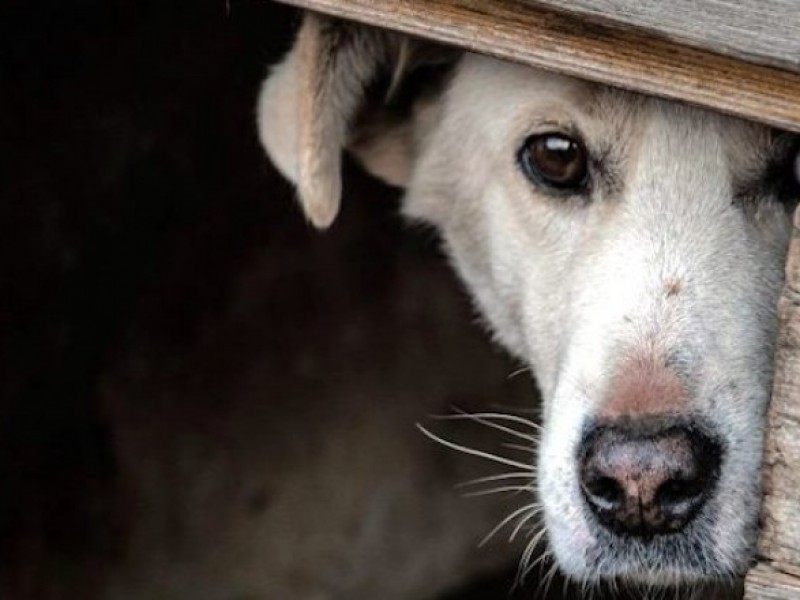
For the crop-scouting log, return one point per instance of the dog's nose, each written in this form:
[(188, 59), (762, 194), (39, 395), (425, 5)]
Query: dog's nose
[(647, 478)]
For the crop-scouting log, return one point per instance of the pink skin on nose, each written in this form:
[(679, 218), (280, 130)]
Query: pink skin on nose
[(643, 387)]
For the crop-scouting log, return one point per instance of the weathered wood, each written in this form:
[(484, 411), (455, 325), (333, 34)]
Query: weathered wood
[(517, 30), (760, 31), (778, 575), (766, 583)]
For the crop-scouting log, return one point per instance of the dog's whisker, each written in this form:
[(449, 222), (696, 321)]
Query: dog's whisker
[(548, 579), (528, 566), (565, 586), (500, 490), (487, 423), (461, 414), (521, 448), (473, 451), (503, 523), (514, 475), (520, 371), (503, 417), (512, 409), (539, 563), (530, 548), (526, 519), (523, 562)]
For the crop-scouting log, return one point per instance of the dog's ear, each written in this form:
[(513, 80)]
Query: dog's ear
[(341, 86)]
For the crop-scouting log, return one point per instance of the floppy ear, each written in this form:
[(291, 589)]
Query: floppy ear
[(314, 105)]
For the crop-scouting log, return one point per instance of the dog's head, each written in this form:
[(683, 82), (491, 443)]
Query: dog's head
[(630, 250)]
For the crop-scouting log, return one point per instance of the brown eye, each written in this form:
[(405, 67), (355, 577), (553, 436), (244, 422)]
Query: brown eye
[(782, 176), (555, 160), (796, 166)]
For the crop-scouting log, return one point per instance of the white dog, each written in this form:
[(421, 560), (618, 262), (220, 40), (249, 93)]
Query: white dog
[(628, 249)]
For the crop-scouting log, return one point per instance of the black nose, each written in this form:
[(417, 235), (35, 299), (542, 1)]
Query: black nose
[(647, 477)]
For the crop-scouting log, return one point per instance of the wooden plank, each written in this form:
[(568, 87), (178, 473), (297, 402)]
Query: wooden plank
[(778, 575), (765, 583), (516, 30), (760, 31)]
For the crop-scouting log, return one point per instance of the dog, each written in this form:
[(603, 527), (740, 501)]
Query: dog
[(627, 249)]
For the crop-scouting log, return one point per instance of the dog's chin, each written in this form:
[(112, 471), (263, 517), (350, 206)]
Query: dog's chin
[(638, 574), (675, 560)]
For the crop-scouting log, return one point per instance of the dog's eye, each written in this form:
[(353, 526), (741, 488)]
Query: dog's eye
[(555, 160), (784, 176), (790, 194), (796, 167)]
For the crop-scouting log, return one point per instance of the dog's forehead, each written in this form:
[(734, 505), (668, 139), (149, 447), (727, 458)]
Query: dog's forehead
[(690, 134), (520, 97)]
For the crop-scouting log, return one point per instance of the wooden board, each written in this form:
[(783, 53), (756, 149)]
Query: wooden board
[(760, 31), (778, 574), (766, 583), (516, 30)]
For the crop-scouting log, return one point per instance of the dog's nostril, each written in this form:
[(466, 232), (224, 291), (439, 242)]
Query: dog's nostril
[(647, 478), (677, 491), (679, 499), (605, 491)]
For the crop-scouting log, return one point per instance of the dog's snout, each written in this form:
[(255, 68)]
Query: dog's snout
[(647, 478)]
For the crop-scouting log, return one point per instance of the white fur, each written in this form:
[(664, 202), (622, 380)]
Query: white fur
[(568, 288), (277, 116)]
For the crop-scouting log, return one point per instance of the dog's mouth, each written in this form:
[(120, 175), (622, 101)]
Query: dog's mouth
[(684, 557), (672, 560), (665, 559)]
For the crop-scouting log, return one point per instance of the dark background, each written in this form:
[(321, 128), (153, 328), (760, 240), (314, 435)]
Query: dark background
[(138, 213)]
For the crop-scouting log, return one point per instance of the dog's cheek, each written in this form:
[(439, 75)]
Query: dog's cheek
[(558, 486)]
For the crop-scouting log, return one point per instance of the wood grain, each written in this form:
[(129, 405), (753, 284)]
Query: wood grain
[(779, 544), (760, 31), (516, 30), (766, 583)]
